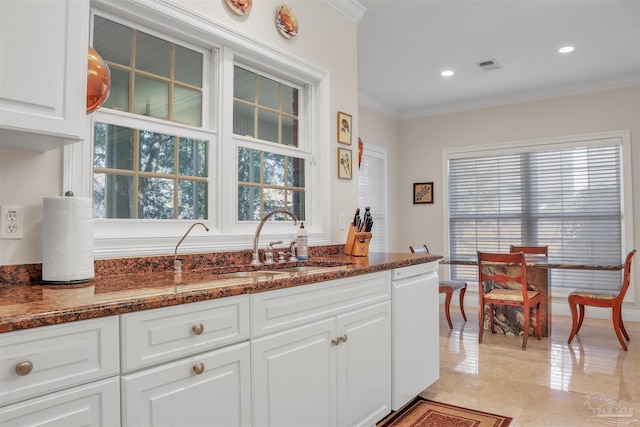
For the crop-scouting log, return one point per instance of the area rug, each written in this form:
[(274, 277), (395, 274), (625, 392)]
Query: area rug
[(427, 413)]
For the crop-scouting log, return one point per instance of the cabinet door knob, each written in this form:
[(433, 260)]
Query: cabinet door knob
[(343, 338), (24, 367), (198, 329), (335, 341), (198, 368)]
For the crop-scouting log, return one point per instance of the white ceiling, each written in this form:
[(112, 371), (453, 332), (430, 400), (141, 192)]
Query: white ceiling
[(403, 45)]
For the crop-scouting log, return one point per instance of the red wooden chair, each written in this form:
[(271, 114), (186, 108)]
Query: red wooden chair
[(446, 287), (603, 299), (537, 250), (496, 287)]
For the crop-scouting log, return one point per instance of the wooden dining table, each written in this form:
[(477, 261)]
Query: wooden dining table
[(509, 319)]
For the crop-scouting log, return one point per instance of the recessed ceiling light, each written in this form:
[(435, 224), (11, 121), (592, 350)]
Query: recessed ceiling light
[(566, 49), (446, 73)]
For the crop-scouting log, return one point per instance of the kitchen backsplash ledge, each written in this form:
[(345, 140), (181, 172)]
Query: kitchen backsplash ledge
[(32, 273)]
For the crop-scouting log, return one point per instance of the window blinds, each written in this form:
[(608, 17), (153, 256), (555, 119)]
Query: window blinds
[(372, 192), (568, 199)]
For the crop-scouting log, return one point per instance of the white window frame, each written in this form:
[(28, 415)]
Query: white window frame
[(121, 237), (548, 144), (302, 151)]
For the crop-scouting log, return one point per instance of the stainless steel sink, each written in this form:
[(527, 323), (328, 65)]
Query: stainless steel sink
[(310, 269), (261, 274)]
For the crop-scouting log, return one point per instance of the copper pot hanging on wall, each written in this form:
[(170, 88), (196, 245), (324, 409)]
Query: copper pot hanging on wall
[(98, 81)]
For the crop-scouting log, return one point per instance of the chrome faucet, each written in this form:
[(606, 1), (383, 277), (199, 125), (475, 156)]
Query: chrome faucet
[(177, 264), (256, 237)]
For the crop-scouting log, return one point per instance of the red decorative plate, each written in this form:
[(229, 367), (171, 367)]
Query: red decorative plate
[(240, 7), (286, 22)]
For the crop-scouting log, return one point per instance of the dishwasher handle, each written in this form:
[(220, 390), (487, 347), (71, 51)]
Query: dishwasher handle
[(414, 270)]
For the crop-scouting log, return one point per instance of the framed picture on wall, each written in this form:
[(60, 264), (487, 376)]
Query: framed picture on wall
[(345, 164), (344, 128), (422, 193)]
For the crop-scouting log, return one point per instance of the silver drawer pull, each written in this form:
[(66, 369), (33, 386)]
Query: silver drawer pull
[(24, 368), (198, 329), (198, 368)]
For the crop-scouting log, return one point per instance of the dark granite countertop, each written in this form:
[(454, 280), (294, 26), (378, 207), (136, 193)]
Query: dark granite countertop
[(542, 261), (30, 305)]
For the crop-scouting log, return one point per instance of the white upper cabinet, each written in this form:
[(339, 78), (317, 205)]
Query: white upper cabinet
[(43, 72)]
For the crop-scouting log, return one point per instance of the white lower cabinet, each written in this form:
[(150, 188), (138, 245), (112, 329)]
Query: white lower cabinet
[(294, 377), (323, 354), (187, 365), (208, 389), (332, 371), (364, 366), (94, 404), (61, 375)]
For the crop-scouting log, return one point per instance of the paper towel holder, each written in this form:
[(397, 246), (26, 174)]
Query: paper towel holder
[(83, 271)]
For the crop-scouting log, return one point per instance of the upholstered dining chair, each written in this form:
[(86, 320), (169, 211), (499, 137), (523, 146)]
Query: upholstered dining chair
[(536, 250), (502, 280), (446, 287), (603, 299)]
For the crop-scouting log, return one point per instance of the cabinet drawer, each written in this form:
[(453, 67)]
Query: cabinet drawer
[(285, 308), (159, 335), (60, 356), (207, 389), (95, 404)]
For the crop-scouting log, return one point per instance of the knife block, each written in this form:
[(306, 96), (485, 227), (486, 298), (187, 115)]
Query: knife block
[(361, 244), (357, 242), (351, 236)]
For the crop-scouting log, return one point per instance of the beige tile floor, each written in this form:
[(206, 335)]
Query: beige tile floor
[(549, 384)]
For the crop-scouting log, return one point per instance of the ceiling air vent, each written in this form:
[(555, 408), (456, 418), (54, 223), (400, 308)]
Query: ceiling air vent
[(490, 64)]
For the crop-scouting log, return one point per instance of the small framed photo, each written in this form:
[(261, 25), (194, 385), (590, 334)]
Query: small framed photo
[(422, 193), (344, 128), (345, 164)]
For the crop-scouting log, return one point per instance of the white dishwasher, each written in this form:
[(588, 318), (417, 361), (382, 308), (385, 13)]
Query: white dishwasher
[(415, 354)]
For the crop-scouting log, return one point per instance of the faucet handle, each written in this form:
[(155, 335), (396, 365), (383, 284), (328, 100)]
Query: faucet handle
[(275, 242), (268, 253)]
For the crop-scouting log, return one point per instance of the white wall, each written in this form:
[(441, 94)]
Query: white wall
[(327, 37), (421, 142)]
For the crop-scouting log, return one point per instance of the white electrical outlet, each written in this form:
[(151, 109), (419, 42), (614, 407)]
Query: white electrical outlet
[(341, 221), (11, 220)]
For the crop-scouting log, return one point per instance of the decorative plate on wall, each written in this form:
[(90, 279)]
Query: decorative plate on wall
[(240, 7), (286, 22)]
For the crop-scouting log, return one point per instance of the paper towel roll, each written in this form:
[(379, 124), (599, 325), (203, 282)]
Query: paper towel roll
[(67, 239)]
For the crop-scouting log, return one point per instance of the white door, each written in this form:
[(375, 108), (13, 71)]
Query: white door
[(209, 389), (364, 365), (294, 377)]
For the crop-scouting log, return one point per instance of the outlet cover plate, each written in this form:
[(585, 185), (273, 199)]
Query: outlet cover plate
[(11, 222)]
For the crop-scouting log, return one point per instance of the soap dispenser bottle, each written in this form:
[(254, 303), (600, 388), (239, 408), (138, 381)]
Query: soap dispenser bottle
[(302, 248)]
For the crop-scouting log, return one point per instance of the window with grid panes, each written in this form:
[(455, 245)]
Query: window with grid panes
[(569, 199), (146, 168), (271, 167)]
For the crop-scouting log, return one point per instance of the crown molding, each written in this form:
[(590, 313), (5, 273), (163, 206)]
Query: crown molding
[(496, 101), (351, 8)]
